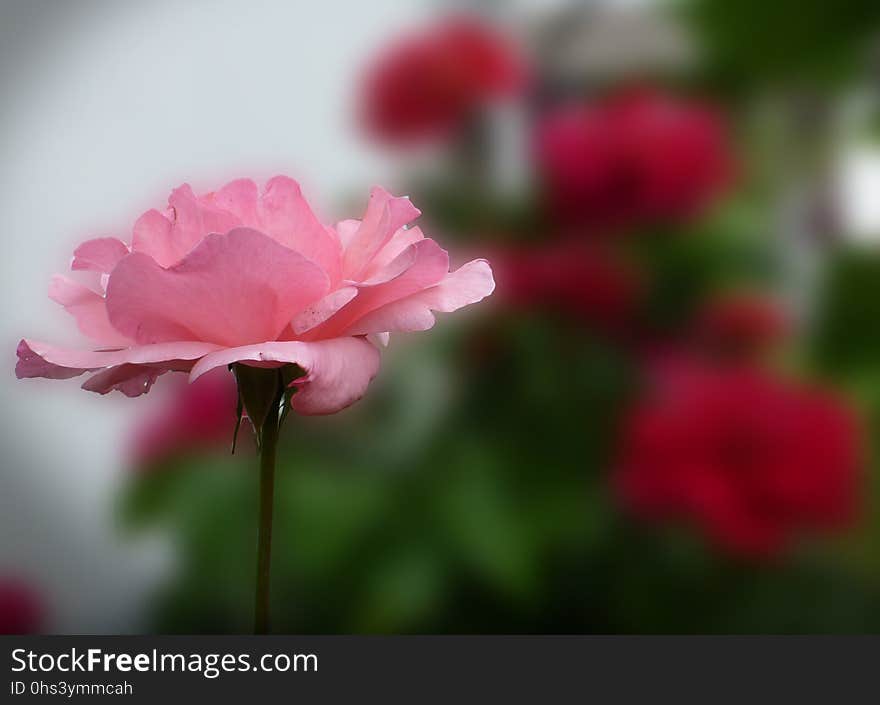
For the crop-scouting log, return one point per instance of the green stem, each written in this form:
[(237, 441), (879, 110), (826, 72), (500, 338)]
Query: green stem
[(268, 446)]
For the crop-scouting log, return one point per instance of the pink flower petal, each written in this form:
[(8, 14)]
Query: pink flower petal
[(131, 371), (430, 264), (319, 312), (168, 239), (30, 364), (398, 243), (393, 269), (385, 215), (36, 359), (338, 370), (346, 230), (131, 380), (339, 375), (194, 218), (88, 308), (469, 284), (239, 197), (153, 235), (100, 254), (286, 216), (232, 289)]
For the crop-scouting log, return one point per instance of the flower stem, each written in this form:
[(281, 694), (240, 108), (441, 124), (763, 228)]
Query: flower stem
[(268, 447)]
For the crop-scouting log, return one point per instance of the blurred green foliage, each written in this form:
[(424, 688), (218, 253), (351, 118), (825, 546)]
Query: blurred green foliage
[(754, 44), (847, 335)]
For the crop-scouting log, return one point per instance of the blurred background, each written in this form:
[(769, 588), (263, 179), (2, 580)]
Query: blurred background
[(662, 421)]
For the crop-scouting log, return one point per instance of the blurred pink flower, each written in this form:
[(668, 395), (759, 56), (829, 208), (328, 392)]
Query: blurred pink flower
[(195, 416), (240, 275), (585, 281), (750, 459), (427, 84), (21, 609), (636, 157)]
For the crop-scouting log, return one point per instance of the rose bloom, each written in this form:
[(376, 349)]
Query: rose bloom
[(749, 459), (241, 275), (636, 157), (427, 84), (586, 282)]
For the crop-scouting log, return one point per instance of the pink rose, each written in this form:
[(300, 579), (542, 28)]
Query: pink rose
[(240, 275)]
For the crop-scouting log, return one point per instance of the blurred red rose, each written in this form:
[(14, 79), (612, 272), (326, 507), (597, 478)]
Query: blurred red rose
[(636, 157), (197, 416), (749, 459), (427, 84), (586, 281), (21, 609), (740, 325)]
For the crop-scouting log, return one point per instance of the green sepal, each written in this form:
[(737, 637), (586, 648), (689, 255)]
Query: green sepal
[(239, 412), (258, 389)]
